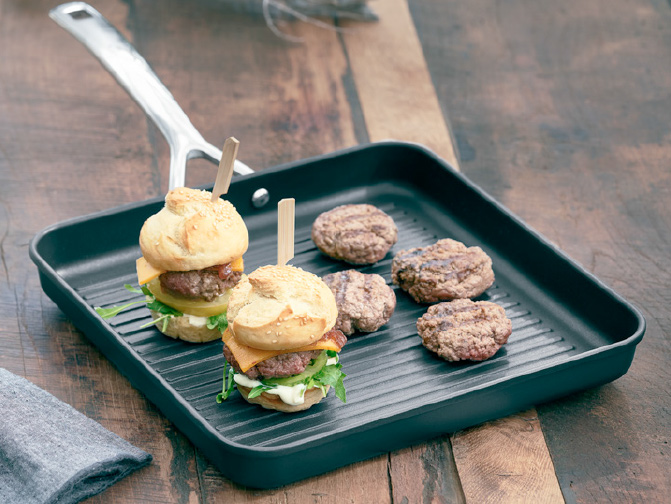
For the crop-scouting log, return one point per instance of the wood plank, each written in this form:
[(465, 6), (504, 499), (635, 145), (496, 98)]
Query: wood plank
[(561, 111), (393, 82), (363, 482), (388, 66), (506, 461), (426, 473)]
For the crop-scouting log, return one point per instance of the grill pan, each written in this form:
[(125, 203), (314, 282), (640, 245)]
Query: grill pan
[(570, 331)]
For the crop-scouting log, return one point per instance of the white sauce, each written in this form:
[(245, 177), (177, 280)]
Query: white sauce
[(289, 395), (196, 321)]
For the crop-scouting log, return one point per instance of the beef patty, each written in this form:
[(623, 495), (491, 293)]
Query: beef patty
[(357, 234), (442, 271), (365, 301), (464, 330), (205, 284)]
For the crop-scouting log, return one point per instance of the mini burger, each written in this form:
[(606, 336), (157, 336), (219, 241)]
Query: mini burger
[(191, 259), (280, 343)]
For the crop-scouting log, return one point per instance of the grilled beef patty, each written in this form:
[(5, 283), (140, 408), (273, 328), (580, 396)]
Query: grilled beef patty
[(206, 284), (442, 271), (357, 234), (464, 330), (365, 301)]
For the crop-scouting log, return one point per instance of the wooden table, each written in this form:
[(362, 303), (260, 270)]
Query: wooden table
[(560, 110)]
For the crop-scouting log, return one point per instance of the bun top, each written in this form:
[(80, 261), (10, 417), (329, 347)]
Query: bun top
[(280, 308), (192, 233)]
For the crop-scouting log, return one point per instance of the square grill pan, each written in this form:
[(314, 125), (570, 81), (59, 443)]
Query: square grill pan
[(570, 331)]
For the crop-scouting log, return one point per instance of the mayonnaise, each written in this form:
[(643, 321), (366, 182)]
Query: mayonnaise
[(290, 395), (196, 321)]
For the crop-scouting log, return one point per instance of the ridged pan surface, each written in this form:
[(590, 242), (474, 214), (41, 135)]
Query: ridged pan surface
[(569, 330)]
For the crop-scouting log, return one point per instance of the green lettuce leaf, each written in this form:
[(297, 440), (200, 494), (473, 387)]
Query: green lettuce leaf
[(219, 322), (108, 313), (167, 312), (228, 385), (333, 376)]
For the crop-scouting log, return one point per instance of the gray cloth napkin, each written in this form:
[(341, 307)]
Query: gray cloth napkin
[(49, 452)]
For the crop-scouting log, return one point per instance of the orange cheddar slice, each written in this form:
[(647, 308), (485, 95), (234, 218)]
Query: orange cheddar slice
[(145, 271), (238, 264), (249, 357)]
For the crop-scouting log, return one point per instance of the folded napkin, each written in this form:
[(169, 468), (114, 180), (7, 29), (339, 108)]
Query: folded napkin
[(49, 452)]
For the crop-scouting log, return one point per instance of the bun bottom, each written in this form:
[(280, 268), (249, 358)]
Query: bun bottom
[(180, 328), (273, 402)]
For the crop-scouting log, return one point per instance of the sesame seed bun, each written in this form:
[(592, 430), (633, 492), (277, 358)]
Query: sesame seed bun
[(281, 308), (192, 233)]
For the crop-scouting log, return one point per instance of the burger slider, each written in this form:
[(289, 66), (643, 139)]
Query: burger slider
[(191, 258), (280, 341)]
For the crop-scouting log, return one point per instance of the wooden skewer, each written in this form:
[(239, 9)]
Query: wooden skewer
[(225, 172), (285, 230)]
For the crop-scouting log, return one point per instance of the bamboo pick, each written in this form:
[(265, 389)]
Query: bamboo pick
[(225, 172), (285, 230)]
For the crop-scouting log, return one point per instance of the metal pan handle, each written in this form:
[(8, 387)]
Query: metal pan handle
[(135, 75)]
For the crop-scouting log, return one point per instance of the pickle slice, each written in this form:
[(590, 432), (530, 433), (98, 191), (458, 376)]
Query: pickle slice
[(197, 307), (310, 370)]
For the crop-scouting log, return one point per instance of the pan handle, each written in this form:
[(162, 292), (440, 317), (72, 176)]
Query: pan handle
[(135, 75)]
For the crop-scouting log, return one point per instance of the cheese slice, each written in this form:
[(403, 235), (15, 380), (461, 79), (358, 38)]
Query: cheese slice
[(249, 357), (145, 271), (238, 264)]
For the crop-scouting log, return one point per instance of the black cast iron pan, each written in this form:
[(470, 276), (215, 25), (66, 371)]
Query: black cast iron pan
[(570, 331)]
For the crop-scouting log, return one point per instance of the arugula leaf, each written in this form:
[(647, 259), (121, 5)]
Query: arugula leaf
[(228, 384), (151, 301), (135, 290), (258, 390), (340, 389), (159, 307), (220, 322), (333, 376), (167, 312), (107, 313)]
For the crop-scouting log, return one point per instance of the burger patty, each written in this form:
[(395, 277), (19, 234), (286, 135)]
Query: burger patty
[(282, 365), (205, 284), (365, 302), (464, 330), (357, 234), (446, 270)]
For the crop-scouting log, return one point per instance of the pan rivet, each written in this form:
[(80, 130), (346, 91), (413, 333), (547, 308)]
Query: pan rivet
[(260, 197)]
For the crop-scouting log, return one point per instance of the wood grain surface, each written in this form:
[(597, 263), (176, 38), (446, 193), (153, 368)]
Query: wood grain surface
[(560, 110)]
